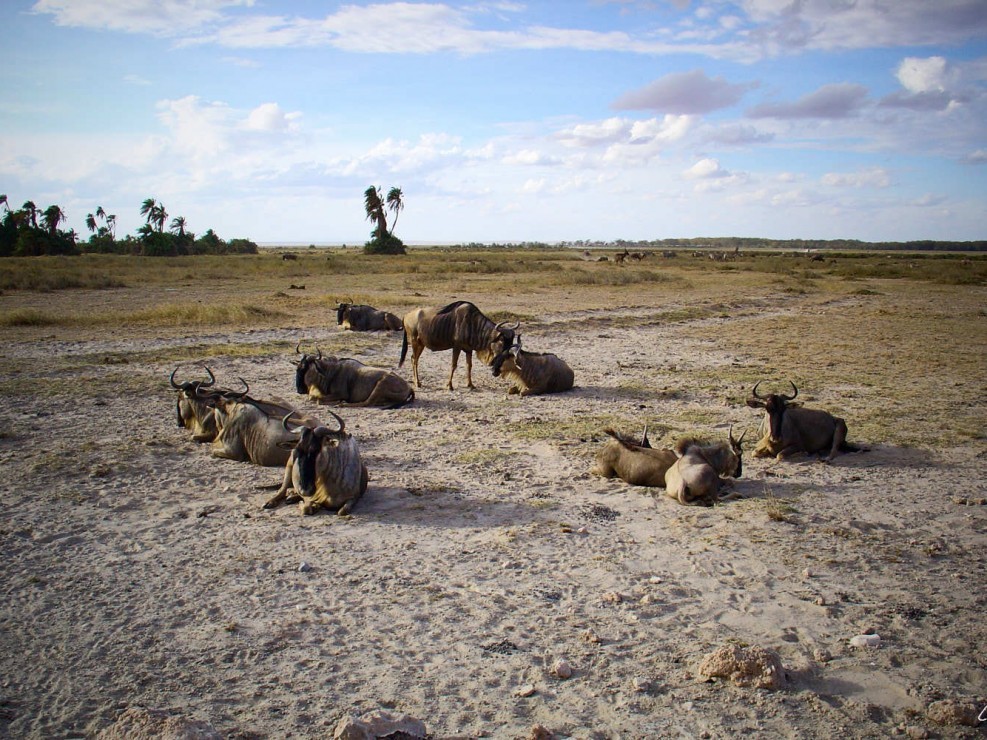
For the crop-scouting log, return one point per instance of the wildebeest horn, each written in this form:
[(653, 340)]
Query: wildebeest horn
[(501, 327), (342, 424), (284, 423), (298, 347), (212, 378), (792, 397), (754, 391), (172, 380), (735, 442)]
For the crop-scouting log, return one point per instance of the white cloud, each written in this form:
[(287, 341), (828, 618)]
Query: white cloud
[(839, 100), (874, 177), (704, 169), (270, 117), (684, 92), (922, 75), (167, 18)]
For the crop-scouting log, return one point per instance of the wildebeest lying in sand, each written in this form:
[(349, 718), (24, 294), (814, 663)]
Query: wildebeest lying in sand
[(695, 478), (324, 469), (251, 430), (533, 373), (790, 429), (191, 407), (344, 380), (636, 463), (366, 318)]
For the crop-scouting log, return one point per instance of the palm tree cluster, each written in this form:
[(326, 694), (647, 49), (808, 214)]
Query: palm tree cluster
[(383, 241), (29, 231)]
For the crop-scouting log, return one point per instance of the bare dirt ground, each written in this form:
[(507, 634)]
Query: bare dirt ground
[(141, 571)]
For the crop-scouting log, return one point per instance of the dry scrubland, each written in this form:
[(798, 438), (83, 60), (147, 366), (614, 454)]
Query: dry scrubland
[(139, 571)]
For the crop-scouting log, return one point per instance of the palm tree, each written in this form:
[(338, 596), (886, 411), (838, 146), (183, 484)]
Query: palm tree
[(395, 203), (51, 218), (3, 200), (31, 211), (178, 226), (375, 211), (149, 209), (160, 217), (91, 222), (111, 224)]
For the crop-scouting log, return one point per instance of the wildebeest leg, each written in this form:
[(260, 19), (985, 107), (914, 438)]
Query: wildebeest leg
[(455, 362), (203, 437), (234, 452), (416, 353), (282, 494), (839, 437), (469, 370)]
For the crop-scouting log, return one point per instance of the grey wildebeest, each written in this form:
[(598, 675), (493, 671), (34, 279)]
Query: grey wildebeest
[(790, 429), (251, 430), (532, 373), (633, 462), (324, 469), (461, 327), (695, 478), (344, 380), (191, 407), (366, 318)]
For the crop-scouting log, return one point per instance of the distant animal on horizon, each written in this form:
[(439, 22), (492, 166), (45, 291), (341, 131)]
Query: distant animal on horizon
[(532, 373), (461, 327), (790, 429), (348, 381), (324, 469), (356, 317), (697, 477)]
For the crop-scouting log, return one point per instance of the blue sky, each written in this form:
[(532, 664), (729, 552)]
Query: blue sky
[(503, 121)]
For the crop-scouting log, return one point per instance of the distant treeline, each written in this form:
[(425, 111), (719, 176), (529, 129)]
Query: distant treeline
[(731, 243)]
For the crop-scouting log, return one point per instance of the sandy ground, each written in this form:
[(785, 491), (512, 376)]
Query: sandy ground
[(140, 571)]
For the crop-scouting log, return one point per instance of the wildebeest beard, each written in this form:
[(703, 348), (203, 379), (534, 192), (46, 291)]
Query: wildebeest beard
[(300, 371), (307, 453)]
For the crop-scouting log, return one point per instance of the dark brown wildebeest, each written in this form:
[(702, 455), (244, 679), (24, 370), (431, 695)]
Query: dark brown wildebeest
[(324, 469), (695, 478), (461, 327), (633, 462), (344, 380), (790, 429), (533, 373), (366, 318)]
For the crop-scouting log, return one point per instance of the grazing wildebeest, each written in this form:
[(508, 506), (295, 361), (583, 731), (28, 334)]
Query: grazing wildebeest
[(633, 462), (289, 257), (790, 429), (461, 327), (324, 469), (252, 431), (532, 373), (366, 318), (344, 380), (695, 478), (191, 407)]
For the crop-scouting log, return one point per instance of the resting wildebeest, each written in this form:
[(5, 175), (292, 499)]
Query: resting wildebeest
[(252, 431), (695, 476), (366, 318), (324, 469), (191, 407), (344, 380), (636, 463), (790, 429), (533, 373), (461, 327)]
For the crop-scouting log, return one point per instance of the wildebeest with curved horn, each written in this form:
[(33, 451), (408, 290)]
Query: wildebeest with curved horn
[(324, 469), (366, 318), (344, 380), (637, 463), (191, 407), (251, 430), (461, 327), (790, 429), (533, 373), (695, 478)]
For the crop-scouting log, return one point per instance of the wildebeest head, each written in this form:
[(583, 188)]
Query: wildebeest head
[(507, 349), (310, 443), (342, 311), (736, 450), (222, 400), (188, 390), (306, 365), (774, 406)]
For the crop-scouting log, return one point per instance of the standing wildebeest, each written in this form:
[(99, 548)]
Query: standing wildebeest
[(191, 407), (366, 318), (790, 429), (461, 327), (252, 430), (324, 468), (533, 373), (695, 476), (332, 379), (636, 463)]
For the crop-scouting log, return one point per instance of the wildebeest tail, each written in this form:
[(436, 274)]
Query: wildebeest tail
[(404, 348), (405, 402), (847, 447)]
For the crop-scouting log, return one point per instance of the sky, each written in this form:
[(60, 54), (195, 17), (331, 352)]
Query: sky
[(503, 121)]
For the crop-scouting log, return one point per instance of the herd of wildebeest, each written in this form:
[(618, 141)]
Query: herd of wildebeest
[(322, 464)]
